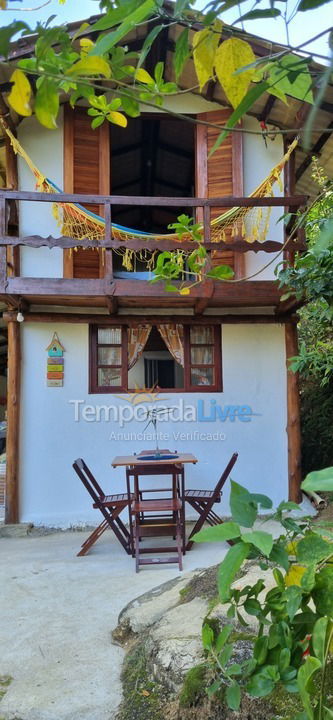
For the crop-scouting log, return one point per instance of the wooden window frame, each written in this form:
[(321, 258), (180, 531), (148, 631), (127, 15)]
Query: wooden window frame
[(94, 388)]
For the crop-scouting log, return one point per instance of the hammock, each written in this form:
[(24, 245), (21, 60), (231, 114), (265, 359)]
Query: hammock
[(79, 223)]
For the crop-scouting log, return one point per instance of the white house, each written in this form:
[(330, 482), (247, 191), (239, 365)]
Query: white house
[(216, 357)]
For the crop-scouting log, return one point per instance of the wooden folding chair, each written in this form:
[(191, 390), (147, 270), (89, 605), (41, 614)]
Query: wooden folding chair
[(203, 500), (110, 506)]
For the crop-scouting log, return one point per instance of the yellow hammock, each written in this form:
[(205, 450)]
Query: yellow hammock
[(76, 222)]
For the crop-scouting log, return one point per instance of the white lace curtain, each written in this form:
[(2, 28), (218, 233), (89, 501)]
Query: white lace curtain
[(137, 338), (173, 336)]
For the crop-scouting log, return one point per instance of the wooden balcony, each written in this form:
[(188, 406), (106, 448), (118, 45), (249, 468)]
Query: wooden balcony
[(112, 292)]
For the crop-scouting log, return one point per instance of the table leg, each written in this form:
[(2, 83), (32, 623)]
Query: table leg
[(130, 520)]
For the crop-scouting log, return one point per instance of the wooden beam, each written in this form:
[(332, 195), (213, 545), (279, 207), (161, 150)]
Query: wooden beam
[(293, 416), (137, 243), (97, 319), (138, 200), (13, 422), (238, 189), (112, 304), (243, 294)]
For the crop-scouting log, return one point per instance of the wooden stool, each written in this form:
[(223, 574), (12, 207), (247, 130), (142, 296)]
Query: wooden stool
[(164, 520)]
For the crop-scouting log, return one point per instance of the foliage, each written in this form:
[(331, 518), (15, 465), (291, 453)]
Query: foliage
[(81, 66), (311, 279), (316, 423), (295, 617)]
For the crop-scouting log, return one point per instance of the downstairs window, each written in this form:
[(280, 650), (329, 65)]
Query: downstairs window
[(168, 356)]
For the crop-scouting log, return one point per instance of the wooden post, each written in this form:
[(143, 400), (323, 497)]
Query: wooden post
[(13, 253), (293, 417), (13, 422)]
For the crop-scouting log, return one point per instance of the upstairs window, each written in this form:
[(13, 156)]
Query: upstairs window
[(170, 357)]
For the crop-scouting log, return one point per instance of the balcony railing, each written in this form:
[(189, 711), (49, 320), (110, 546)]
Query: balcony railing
[(11, 284)]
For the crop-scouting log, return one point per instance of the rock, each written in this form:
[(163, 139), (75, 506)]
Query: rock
[(174, 644), (12, 531), (148, 608)]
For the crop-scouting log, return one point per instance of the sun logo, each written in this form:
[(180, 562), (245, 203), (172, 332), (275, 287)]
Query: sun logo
[(141, 395)]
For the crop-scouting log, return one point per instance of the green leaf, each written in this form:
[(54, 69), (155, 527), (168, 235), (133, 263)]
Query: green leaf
[(182, 52), (261, 540), (207, 637), (250, 98), (223, 637), (319, 638), (252, 607), (293, 596), (116, 15), (225, 655), (279, 556), (284, 659), (150, 39), (97, 121), (223, 272), (319, 480), (243, 509), (233, 696), (308, 578), (8, 32), (229, 567), (322, 592), (218, 533), (279, 579), (262, 500), (313, 548), (259, 14), (290, 74), (261, 684), (108, 41), (260, 649), (304, 678), (47, 104), (130, 106), (311, 4)]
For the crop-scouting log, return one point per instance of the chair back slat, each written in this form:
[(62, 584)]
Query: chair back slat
[(225, 475), (88, 480)]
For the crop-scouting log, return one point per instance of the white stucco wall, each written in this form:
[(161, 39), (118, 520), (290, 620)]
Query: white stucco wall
[(45, 147), (253, 375)]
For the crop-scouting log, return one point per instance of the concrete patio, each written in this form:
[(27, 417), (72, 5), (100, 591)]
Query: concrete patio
[(57, 613)]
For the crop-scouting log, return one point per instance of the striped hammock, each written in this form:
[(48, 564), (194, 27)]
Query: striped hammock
[(77, 222)]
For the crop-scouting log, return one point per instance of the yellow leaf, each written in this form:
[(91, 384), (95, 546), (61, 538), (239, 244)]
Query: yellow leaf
[(184, 291), (145, 693), (294, 575), (291, 547), (232, 55), (143, 76), (205, 43), (117, 118), (90, 65), (86, 45), (20, 94)]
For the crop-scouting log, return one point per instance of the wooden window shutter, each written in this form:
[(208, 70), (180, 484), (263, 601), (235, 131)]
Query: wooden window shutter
[(219, 175), (86, 170)]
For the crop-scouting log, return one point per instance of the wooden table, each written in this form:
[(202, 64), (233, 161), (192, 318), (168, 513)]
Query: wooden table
[(136, 467)]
